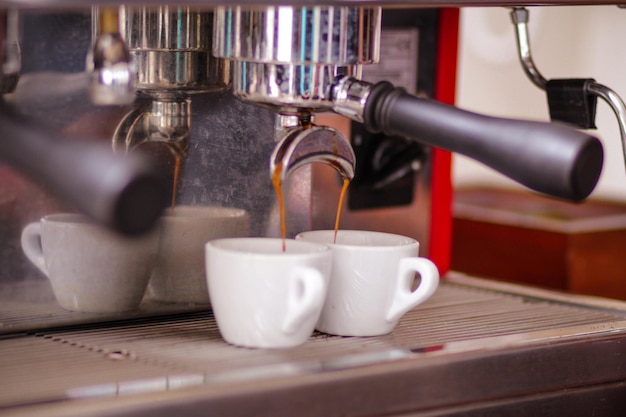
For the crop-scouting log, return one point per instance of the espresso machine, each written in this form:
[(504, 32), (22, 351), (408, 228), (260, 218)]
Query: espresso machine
[(120, 110)]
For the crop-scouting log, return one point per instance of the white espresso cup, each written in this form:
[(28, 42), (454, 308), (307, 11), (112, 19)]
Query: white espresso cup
[(371, 284), (179, 274), (263, 297), (90, 268)]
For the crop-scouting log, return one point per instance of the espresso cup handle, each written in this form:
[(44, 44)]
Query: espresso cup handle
[(404, 299), (305, 295), (31, 245)]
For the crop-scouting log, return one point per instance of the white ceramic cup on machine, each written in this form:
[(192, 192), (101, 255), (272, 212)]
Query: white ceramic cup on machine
[(371, 284), (179, 274), (91, 269), (263, 297)]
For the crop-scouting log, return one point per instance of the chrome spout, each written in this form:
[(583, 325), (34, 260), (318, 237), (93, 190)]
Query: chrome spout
[(109, 63), (164, 121), (515, 148), (307, 144)]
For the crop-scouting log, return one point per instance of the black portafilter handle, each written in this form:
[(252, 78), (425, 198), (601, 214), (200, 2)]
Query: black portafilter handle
[(123, 192), (550, 158)]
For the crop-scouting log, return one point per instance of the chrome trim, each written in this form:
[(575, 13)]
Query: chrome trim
[(171, 50), (286, 86), (298, 35), (64, 4), (350, 96), (166, 121)]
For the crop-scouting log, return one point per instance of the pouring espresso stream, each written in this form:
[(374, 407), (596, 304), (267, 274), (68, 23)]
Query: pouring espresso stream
[(307, 144)]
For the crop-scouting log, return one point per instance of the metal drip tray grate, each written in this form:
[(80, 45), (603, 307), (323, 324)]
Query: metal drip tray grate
[(31, 305), (168, 353)]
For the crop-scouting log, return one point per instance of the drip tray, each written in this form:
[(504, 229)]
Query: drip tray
[(474, 344)]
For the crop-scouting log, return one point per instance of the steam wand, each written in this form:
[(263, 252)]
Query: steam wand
[(520, 17)]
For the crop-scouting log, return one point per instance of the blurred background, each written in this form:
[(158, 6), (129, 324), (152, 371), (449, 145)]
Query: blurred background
[(566, 42)]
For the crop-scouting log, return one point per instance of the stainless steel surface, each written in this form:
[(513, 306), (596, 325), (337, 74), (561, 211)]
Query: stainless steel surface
[(30, 305), (309, 144), (171, 48), (472, 341), (111, 73), (165, 121), (289, 57), (349, 97), (286, 86), (322, 35), (109, 64), (166, 28), (64, 4)]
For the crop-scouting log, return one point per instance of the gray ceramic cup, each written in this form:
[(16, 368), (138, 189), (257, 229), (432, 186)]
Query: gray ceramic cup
[(179, 276), (91, 269)]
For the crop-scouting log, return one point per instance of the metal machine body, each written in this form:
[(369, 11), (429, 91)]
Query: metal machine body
[(185, 109), (228, 91)]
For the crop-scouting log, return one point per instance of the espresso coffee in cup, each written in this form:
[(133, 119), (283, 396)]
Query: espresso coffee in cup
[(90, 268)]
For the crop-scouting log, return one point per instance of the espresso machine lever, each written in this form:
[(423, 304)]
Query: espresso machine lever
[(309, 59), (547, 157), (125, 193)]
